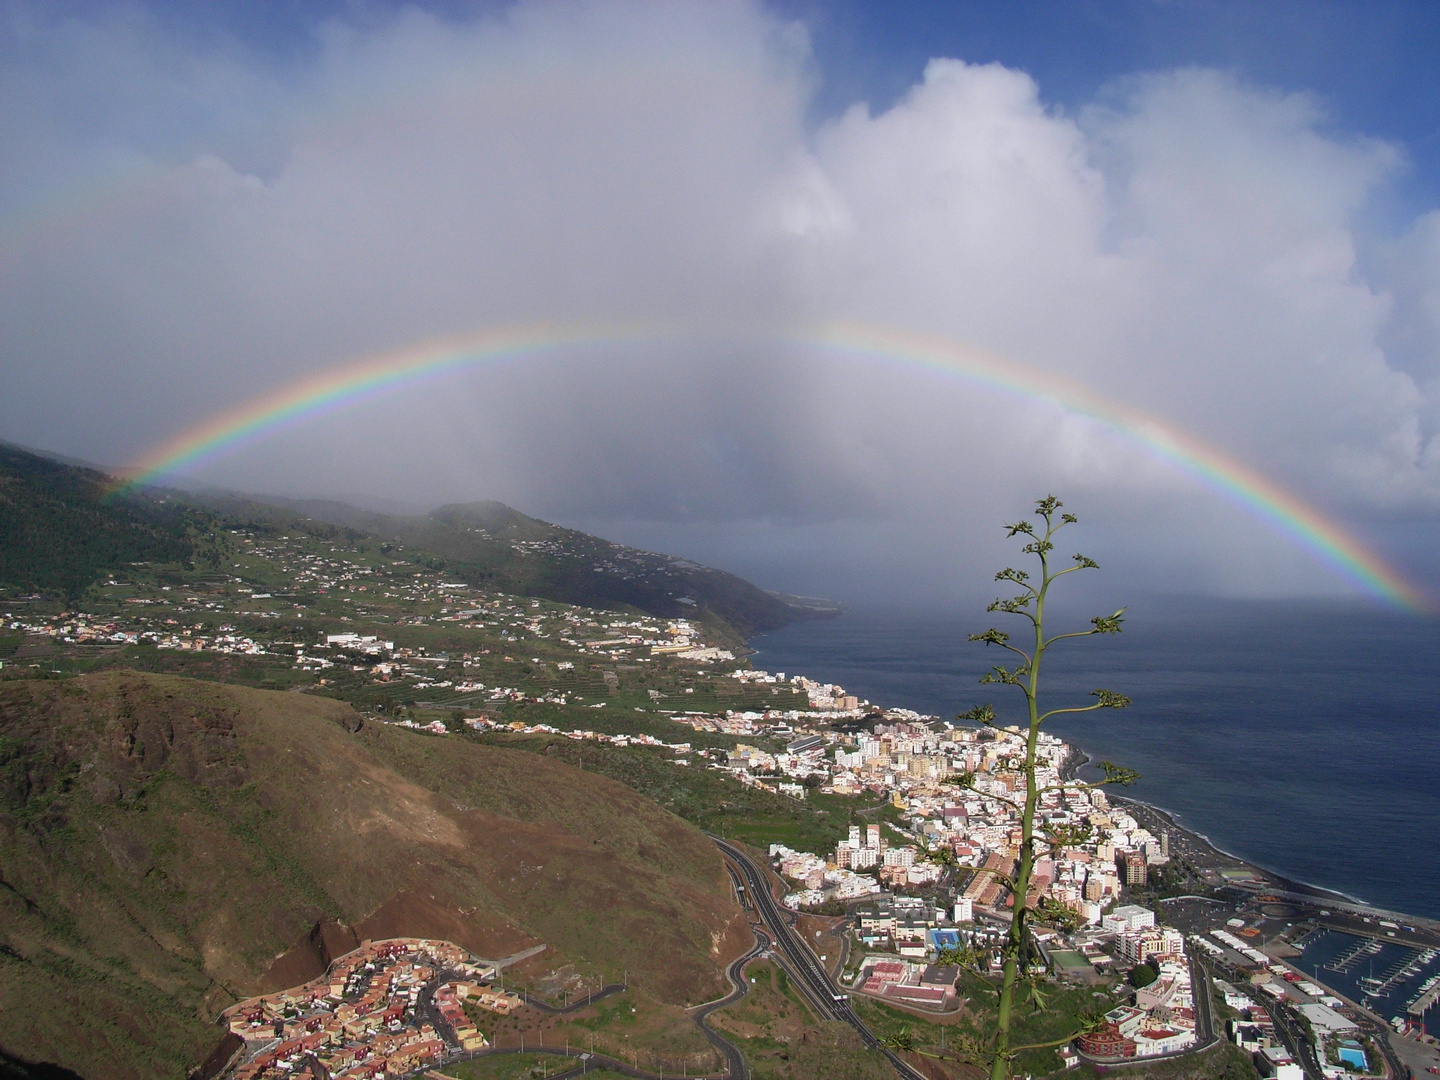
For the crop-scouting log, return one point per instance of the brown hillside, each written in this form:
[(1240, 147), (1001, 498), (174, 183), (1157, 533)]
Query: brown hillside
[(167, 846)]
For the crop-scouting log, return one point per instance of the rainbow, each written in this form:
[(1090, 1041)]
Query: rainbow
[(370, 377)]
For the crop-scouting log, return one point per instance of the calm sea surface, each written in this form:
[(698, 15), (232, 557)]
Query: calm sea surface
[(1302, 737)]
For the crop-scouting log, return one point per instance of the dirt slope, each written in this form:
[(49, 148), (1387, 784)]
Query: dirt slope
[(167, 846)]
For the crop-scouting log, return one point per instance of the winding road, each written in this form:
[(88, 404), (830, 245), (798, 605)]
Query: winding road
[(775, 934), (735, 1065), (800, 962), (575, 1006)]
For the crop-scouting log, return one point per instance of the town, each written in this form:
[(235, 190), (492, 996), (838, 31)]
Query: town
[(916, 876), (388, 1009)]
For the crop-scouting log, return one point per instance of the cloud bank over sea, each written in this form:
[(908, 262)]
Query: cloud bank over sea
[(187, 222)]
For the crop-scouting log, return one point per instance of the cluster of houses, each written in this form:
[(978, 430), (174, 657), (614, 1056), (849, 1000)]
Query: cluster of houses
[(974, 823), (484, 723), (622, 637), (361, 581), (904, 758), (84, 630), (822, 882), (915, 938), (1161, 1021), (925, 986), (364, 1018)]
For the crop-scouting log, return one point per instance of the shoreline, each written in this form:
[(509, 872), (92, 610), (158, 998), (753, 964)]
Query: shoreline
[(1260, 877), (1277, 880), (1266, 878), (1311, 809)]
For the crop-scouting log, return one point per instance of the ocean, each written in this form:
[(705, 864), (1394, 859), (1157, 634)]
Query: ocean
[(1302, 737)]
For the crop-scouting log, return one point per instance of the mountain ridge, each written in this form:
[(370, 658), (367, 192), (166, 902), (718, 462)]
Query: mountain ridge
[(492, 544), (61, 530)]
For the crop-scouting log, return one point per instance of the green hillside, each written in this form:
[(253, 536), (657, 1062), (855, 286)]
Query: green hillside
[(489, 544), (212, 782), (58, 536), (169, 846)]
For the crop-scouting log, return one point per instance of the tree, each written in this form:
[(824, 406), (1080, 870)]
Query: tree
[(1029, 604), (1142, 975), (943, 854)]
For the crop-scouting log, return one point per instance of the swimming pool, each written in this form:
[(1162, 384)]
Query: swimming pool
[(1353, 1055)]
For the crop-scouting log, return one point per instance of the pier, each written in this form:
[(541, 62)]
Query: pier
[(1352, 956), (1422, 1002)]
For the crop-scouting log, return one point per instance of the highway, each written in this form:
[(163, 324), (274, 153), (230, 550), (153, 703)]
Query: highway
[(1287, 1026), (800, 962), (1200, 995)]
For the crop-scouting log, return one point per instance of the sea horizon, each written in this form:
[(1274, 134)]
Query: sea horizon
[(1296, 735)]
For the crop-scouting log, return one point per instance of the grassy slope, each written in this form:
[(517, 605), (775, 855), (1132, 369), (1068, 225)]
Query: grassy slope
[(162, 841), (57, 536), (713, 801), (476, 541), (782, 1040)]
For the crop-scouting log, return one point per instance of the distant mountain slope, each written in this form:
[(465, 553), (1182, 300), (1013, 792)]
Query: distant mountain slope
[(489, 543), (57, 536), (168, 846)]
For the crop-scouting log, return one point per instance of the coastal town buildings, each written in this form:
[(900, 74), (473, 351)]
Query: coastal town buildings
[(1161, 1018), (389, 1008)]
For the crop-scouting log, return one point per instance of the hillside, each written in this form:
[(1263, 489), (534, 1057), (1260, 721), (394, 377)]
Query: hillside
[(167, 846), (58, 536), (489, 544)]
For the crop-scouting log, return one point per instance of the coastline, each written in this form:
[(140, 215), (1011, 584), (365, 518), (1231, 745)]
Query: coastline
[(1245, 873), (1262, 878), (1285, 762)]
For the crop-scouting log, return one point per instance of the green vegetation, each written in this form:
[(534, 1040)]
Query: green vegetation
[(1224, 1062), (714, 802), (57, 535), (175, 834), (1142, 975), (490, 545), (782, 1040), (509, 1067), (1017, 950), (520, 1067), (962, 1041)]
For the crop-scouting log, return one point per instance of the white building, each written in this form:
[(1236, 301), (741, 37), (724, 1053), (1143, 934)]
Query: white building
[(1128, 917)]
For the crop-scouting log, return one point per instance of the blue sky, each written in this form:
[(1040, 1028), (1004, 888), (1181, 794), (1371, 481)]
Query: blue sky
[(1373, 65), (1222, 216)]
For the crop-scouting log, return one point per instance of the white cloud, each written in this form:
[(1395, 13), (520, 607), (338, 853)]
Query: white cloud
[(188, 226)]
